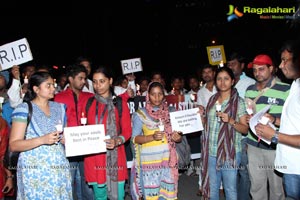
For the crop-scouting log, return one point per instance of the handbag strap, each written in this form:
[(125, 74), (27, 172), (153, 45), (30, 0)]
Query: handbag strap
[(29, 112), (264, 90)]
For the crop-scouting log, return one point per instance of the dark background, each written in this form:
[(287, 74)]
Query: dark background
[(170, 36)]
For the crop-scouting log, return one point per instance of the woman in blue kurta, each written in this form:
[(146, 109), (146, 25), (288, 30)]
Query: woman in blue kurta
[(42, 170)]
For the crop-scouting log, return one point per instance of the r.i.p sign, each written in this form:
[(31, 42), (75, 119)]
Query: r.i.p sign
[(131, 65), (14, 53), (216, 54)]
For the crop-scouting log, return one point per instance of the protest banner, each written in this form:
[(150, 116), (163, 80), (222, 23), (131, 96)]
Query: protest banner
[(83, 140), (131, 65), (216, 54), (14, 53), (186, 121)]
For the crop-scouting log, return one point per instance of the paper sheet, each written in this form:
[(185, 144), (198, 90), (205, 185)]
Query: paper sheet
[(255, 120)]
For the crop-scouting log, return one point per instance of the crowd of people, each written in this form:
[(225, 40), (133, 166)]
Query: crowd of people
[(233, 156)]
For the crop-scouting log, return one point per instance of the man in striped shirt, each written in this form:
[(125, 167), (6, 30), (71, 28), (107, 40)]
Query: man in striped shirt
[(267, 90)]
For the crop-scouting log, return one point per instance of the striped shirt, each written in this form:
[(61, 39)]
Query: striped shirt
[(275, 96)]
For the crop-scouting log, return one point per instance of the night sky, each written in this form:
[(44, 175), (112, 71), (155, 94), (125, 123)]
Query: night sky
[(165, 34)]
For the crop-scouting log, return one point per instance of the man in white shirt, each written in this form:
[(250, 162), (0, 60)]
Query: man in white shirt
[(17, 91), (287, 159)]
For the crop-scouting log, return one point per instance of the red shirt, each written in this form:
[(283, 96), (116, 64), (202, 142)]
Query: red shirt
[(67, 97), (95, 165)]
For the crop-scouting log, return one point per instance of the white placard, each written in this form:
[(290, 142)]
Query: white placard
[(131, 65), (187, 121), (258, 118), (82, 140), (14, 53)]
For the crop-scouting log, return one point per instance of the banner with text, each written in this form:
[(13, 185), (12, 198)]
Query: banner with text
[(82, 140), (216, 54), (186, 121), (131, 65), (14, 53)]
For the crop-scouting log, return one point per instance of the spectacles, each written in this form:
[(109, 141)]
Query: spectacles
[(285, 60)]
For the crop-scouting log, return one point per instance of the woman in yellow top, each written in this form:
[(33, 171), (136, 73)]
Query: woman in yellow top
[(154, 174)]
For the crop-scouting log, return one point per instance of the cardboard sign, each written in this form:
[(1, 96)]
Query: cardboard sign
[(83, 140), (216, 54), (131, 65), (187, 121), (14, 53)]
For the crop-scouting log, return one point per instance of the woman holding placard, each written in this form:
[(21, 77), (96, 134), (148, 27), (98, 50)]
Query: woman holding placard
[(154, 171), (107, 172), (224, 124)]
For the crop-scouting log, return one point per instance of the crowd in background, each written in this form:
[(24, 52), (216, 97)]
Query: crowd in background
[(233, 157)]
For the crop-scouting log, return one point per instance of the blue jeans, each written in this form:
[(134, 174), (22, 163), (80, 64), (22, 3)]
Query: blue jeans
[(227, 174), (243, 178), (292, 185), (81, 189)]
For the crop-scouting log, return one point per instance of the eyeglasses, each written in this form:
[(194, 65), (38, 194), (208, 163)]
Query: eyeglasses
[(285, 60)]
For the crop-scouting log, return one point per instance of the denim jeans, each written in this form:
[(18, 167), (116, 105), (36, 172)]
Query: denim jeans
[(227, 174), (292, 185), (81, 190), (243, 176)]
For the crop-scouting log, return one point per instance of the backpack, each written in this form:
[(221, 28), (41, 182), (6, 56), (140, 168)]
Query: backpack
[(183, 150), (11, 158), (117, 103)]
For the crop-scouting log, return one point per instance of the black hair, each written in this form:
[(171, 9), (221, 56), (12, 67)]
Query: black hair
[(36, 79), (108, 73), (236, 55), (293, 47), (156, 84), (225, 69), (74, 70)]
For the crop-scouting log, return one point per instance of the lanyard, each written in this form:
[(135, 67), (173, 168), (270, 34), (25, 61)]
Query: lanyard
[(76, 102), (102, 114)]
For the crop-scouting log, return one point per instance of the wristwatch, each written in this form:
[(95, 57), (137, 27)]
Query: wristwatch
[(274, 139)]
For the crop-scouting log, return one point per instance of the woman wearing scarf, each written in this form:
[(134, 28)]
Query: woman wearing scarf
[(107, 172), (221, 139), (154, 174)]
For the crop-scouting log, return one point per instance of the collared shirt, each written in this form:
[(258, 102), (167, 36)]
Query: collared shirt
[(288, 158), (204, 94), (275, 96), (67, 97), (242, 85)]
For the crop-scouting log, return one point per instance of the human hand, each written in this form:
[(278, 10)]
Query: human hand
[(8, 186), (15, 71), (224, 116), (158, 135), (130, 92), (248, 117), (130, 77), (51, 138), (264, 131), (110, 143), (177, 136)]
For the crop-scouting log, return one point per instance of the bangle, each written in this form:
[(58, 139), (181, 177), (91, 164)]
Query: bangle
[(11, 176)]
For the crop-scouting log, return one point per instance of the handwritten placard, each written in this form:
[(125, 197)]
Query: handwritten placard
[(131, 65), (216, 54), (187, 121), (14, 53), (83, 140)]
